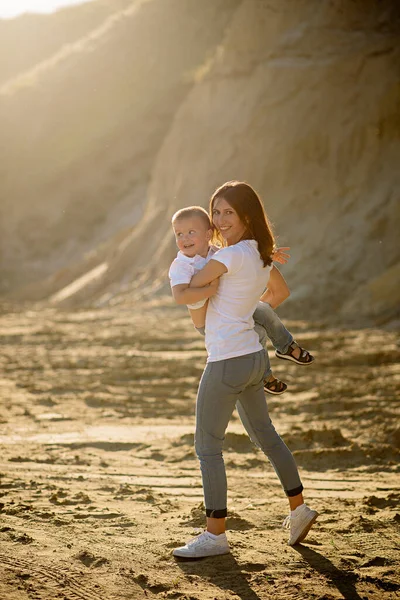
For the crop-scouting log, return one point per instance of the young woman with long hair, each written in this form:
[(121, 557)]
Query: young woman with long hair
[(237, 364)]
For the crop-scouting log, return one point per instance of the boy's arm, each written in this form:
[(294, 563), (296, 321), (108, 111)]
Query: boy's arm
[(183, 294), (277, 290), (198, 316)]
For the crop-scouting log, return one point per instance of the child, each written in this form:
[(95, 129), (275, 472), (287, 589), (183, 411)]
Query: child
[(193, 233)]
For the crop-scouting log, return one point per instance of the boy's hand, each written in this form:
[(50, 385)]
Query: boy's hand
[(281, 255)]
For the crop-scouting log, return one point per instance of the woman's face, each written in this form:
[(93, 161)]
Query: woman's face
[(227, 221)]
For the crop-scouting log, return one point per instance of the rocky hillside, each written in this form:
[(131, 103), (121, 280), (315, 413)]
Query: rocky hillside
[(300, 99)]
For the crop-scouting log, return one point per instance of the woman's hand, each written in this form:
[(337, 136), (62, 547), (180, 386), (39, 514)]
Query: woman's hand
[(281, 255)]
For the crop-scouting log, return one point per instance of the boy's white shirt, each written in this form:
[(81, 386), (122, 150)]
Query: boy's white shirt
[(184, 267)]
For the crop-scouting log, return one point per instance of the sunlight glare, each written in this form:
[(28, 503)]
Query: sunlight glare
[(8, 9)]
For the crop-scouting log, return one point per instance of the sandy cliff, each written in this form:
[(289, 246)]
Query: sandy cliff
[(290, 103), (31, 38), (81, 130), (301, 100)]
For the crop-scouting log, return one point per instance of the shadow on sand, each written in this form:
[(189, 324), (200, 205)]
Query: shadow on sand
[(225, 572), (221, 571), (343, 580)]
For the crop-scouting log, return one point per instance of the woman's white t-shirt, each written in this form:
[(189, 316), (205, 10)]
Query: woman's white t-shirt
[(229, 321)]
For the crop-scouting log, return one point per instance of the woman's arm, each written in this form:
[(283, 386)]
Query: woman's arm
[(277, 290), (209, 273), (183, 294)]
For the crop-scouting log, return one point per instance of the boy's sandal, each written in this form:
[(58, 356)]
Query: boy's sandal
[(305, 357), (275, 386)]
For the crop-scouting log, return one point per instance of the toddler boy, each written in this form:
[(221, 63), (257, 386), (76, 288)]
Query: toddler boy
[(193, 233)]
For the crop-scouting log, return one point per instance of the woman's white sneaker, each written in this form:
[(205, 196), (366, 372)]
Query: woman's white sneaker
[(205, 544), (300, 522)]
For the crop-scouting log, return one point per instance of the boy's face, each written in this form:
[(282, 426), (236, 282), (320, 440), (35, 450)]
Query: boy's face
[(192, 236)]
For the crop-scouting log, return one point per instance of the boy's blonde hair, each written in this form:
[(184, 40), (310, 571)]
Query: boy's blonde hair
[(192, 211)]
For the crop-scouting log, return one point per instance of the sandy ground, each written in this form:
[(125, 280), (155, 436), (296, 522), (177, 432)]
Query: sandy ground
[(99, 481)]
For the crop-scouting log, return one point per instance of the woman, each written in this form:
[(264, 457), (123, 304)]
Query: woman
[(237, 365)]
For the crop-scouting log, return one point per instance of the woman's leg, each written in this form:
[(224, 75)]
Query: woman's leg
[(219, 388), (263, 434), (214, 409), (295, 501), (253, 411)]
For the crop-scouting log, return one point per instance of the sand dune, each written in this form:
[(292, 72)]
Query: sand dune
[(99, 478)]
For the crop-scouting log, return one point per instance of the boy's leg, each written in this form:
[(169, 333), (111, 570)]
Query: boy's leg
[(272, 385), (266, 318), (262, 333)]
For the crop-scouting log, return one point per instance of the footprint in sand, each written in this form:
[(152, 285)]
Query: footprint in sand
[(21, 538), (61, 498), (89, 560), (391, 501)]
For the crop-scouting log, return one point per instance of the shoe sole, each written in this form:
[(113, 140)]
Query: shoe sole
[(302, 364), (189, 557), (303, 534), (274, 393)]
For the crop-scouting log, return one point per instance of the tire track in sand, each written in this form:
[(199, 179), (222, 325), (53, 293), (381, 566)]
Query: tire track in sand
[(71, 587)]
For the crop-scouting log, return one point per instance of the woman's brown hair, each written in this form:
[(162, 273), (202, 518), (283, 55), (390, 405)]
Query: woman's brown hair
[(246, 202)]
